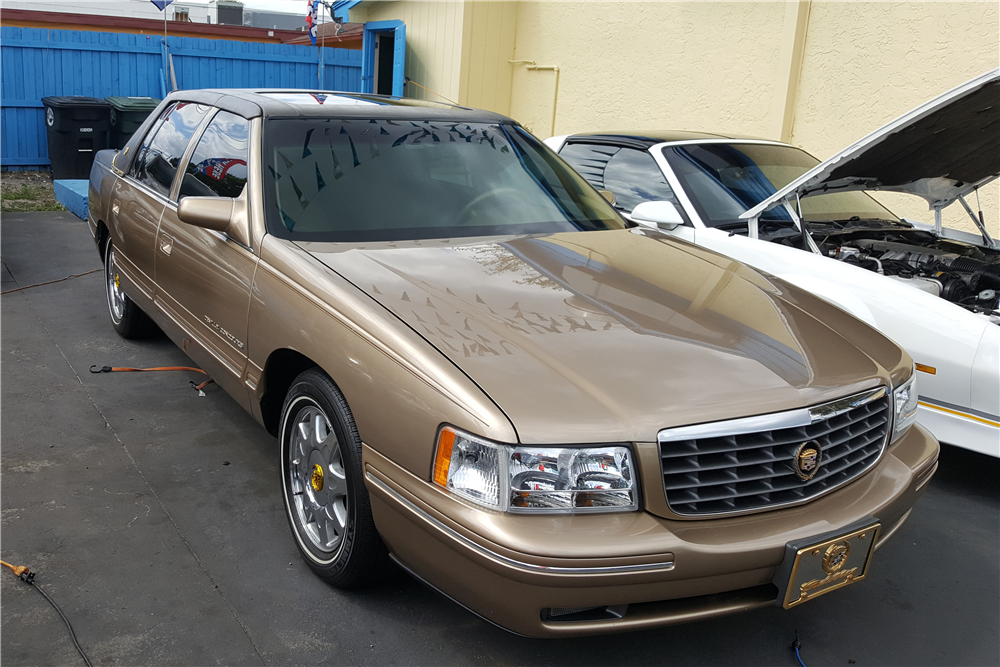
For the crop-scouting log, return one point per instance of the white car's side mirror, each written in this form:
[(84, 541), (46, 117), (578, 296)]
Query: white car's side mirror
[(656, 215)]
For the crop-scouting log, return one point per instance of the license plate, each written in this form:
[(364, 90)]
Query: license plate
[(826, 563)]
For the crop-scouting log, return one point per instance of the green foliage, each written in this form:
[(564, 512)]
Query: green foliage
[(28, 198)]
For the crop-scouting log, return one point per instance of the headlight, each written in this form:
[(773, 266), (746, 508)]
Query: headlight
[(536, 479), (905, 403)]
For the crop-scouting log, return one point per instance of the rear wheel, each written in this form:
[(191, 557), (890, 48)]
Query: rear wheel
[(127, 318), (325, 497)]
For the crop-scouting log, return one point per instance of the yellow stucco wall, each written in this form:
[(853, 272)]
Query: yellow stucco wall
[(729, 67), (646, 65), (725, 66), (866, 63)]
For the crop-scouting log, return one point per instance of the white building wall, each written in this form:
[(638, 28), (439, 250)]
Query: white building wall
[(199, 12)]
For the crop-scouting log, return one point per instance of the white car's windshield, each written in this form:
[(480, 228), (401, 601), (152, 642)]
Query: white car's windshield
[(724, 180), (333, 179)]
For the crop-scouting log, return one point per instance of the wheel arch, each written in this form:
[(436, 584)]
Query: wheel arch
[(101, 238), (280, 370)]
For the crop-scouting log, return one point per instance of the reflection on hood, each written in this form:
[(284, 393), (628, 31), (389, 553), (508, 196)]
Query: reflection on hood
[(650, 301), (617, 334)]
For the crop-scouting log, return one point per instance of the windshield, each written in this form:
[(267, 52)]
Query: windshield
[(384, 180), (724, 180)]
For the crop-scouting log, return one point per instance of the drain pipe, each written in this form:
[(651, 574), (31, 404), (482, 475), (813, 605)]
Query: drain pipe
[(530, 65)]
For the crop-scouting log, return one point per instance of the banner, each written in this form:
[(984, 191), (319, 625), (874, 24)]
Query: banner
[(312, 19)]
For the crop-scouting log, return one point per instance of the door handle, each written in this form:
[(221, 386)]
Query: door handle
[(166, 244)]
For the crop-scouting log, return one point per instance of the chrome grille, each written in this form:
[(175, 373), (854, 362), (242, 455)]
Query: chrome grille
[(745, 465)]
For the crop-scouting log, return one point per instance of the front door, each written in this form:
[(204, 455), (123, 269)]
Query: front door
[(203, 277)]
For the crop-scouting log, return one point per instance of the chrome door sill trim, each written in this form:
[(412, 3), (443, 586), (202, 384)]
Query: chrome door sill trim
[(520, 565)]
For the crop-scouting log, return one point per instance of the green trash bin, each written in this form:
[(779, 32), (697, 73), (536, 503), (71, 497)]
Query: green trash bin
[(127, 114), (75, 128)]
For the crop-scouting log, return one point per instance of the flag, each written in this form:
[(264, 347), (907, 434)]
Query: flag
[(312, 19), (161, 4), (216, 167)]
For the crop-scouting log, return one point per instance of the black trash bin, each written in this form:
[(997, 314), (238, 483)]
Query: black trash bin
[(127, 114), (76, 128)]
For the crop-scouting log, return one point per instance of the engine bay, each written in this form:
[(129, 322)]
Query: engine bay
[(963, 273)]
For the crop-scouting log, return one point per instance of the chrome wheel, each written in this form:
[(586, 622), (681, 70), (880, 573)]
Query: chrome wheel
[(316, 479), (116, 297)]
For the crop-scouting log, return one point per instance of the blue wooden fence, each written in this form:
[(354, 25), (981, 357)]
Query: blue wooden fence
[(35, 63)]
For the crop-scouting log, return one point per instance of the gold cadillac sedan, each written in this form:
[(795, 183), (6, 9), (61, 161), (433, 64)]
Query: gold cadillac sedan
[(476, 368)]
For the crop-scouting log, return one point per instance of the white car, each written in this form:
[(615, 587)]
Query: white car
[(932, 289)]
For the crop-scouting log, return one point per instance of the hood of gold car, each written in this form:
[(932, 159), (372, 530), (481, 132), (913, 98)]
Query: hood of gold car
[(597, 336)]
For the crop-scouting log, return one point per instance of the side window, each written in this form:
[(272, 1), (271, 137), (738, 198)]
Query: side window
[(634, 178), (218, 166), (631, 174), (156, 164)]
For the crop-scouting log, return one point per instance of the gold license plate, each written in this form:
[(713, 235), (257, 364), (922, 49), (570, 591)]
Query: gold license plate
[(829, 564)]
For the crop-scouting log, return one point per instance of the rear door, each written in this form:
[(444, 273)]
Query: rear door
[(139, 198), (203, 277)]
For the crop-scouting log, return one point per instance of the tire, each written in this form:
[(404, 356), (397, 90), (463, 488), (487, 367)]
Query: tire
[(322, 483), (126, 317)]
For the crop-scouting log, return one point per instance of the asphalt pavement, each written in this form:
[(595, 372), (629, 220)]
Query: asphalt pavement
[(153, 517)]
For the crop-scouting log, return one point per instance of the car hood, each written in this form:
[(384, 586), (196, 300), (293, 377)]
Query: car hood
[(943, 149), (609, 336)]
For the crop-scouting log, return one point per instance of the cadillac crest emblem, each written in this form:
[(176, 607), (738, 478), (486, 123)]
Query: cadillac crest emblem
[(807, 460)]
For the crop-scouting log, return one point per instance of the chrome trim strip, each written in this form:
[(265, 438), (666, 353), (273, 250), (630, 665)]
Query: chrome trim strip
[(195, 338), (769, 422), (520, 565)]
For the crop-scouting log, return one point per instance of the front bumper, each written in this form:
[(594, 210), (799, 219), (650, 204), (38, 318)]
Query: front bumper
[(563, 575)]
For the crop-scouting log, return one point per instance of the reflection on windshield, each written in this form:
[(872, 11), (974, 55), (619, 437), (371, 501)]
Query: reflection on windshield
[(381, 179), (724, 180)]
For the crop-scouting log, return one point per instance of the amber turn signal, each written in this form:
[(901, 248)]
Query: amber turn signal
[(442, 459), (930, 370)]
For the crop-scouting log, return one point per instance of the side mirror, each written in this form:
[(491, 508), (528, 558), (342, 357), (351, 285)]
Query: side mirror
[(213, 213), (609, 195), (656, 215)]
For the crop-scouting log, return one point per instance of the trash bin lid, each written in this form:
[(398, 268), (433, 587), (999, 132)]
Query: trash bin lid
[(75, 101), (132, 103)]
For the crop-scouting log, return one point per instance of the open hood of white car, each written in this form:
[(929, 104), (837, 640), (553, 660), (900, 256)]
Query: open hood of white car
[(941, 150)]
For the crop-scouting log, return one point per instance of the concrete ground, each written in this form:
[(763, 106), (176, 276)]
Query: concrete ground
[(153, 517)]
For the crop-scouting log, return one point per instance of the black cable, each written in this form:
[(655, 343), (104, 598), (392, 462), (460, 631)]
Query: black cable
[(29, 578)]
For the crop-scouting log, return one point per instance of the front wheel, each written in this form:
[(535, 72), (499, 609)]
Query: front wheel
[(126, 317), (321, 476)]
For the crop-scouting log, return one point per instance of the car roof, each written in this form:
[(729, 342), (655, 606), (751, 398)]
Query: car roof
[(642, 139), (287, 102)]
